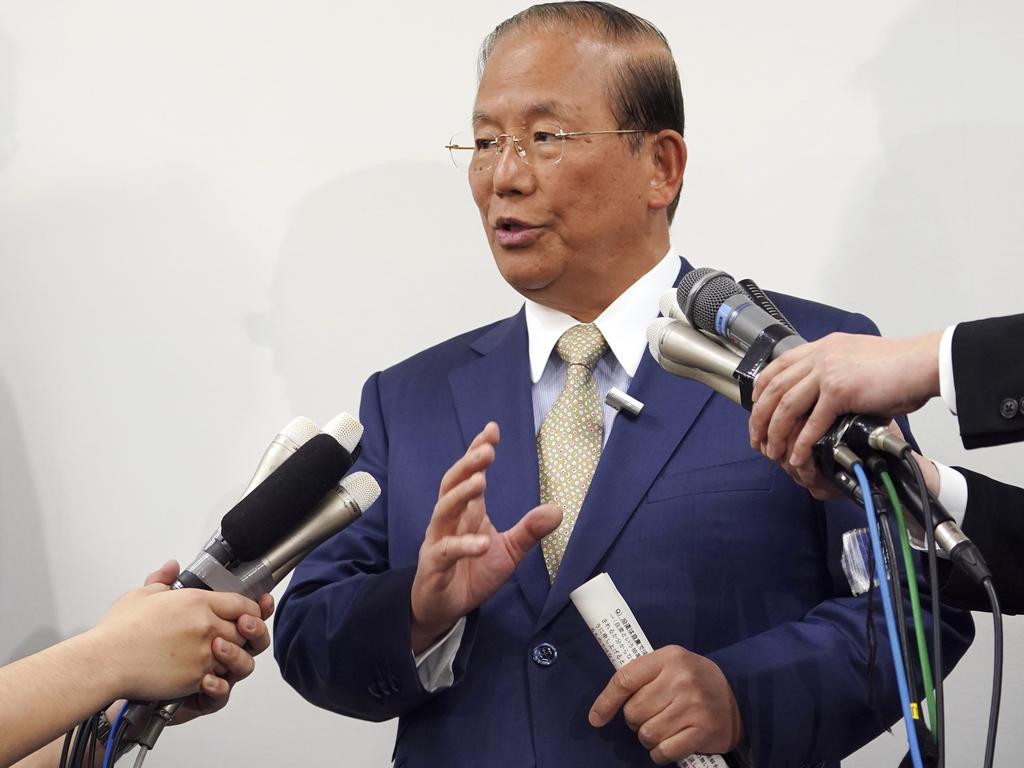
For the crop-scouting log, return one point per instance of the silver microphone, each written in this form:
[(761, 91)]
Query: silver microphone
[(297, 433), (672, 340), (342, 506)]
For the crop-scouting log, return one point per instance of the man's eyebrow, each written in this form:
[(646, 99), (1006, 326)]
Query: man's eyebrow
[(553, 109)]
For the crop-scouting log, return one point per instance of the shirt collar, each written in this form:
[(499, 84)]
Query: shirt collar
[(623, 323)]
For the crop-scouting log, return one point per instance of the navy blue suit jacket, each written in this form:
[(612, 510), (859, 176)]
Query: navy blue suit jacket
[(714, 548)]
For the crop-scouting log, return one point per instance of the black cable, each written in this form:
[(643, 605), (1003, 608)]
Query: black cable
[(78, 749), (94, 737), (997, 672), (933, 578), (67, 746), (896, 587)]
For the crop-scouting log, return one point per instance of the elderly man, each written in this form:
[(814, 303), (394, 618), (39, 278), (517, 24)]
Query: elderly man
[(455, 615)]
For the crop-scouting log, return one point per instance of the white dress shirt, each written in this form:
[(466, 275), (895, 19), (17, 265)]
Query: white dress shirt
[(624, 326)]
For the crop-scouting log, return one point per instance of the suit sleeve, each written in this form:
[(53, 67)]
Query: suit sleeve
[(341, 634), (805, 689), (995, 522), (988, 373)]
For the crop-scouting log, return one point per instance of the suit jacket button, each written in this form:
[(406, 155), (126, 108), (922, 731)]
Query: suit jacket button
[(1009, 408), (544, 655)]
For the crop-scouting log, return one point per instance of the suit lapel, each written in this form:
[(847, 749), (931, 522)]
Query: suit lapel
[(496, 387)]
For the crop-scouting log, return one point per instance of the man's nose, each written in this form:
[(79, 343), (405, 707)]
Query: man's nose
[(511, 172)]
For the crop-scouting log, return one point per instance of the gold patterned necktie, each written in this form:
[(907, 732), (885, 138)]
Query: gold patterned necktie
[(571, 436)]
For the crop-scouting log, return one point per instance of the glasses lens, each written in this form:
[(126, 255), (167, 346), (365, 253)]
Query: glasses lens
[(543, 144), (460, 147)]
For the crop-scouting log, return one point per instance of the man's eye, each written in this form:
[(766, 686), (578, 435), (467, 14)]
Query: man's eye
[(483, 145), (544, 137)]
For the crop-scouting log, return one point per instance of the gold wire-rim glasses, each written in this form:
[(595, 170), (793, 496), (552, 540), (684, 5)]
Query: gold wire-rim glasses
[(502, 139)]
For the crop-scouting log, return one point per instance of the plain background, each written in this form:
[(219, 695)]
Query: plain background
[(215, 216)]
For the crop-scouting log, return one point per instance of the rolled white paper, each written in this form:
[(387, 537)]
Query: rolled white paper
[(621, 638)]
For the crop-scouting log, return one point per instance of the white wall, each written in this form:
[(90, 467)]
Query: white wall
[(214, 216)]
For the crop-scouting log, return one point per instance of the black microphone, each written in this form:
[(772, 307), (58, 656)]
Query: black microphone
[(271, 509)]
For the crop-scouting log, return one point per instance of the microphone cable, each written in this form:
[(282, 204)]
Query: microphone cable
[(939, 726), (887, 607), (915, 596), (997, 672)]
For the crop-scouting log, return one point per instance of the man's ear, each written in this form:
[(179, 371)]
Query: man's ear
[(669, 160)]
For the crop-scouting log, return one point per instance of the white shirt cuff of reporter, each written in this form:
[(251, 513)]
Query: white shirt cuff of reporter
[(436, 665), (947, 383)]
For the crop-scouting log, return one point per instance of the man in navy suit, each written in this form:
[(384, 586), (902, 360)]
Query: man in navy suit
[(439, 607)]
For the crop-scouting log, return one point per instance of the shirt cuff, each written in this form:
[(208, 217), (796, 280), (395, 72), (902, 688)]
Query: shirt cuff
[(436, 665), (947, 384), (952, 492)]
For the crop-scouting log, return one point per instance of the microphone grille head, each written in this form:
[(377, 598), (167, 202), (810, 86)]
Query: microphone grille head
[(668, 305), (346, 429), (363, 489), (654, 332), (701, 294), (300, 430)]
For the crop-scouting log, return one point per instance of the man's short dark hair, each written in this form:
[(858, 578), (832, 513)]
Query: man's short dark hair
[(646, 94)]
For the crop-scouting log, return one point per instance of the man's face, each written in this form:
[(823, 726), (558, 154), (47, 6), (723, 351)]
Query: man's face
[(556, 231)]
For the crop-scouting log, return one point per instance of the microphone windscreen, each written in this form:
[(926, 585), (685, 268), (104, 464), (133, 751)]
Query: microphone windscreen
[(279, 503)]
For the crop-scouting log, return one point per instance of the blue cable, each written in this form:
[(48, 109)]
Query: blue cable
[(109, 751), (897, 656)]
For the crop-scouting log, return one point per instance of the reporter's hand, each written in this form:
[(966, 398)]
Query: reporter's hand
[(463, 559), (233, 662), (159, 642), (839, 374), (677, 702)]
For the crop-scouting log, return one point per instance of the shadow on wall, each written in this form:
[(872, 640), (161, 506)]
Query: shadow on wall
[(376, 265), (940, 218), (30, 619), (30, 616)]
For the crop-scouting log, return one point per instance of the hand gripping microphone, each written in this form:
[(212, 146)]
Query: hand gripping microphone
[(298, 504), (713, 302)]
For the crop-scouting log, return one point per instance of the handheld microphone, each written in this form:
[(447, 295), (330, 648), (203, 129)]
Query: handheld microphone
[(277, 503), (341, 507), (670, 339), (296, 433), (712, 301)]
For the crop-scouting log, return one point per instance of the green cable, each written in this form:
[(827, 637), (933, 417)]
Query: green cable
[(915, 600)]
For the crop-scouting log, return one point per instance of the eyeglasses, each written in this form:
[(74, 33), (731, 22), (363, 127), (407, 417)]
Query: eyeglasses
[(542, 145)]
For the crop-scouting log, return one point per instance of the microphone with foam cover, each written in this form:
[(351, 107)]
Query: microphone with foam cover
[(273, 508)]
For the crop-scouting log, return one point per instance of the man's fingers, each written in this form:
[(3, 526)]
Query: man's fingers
[(229, 606), (624, 683), (165, 574), (238, 663), (677, 747), (476, 459), (531, 528), (451, 549), (266, 606), (217, 688), (767, 400), (256, 634), (822, 418), (453, 502), (792, 406)]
